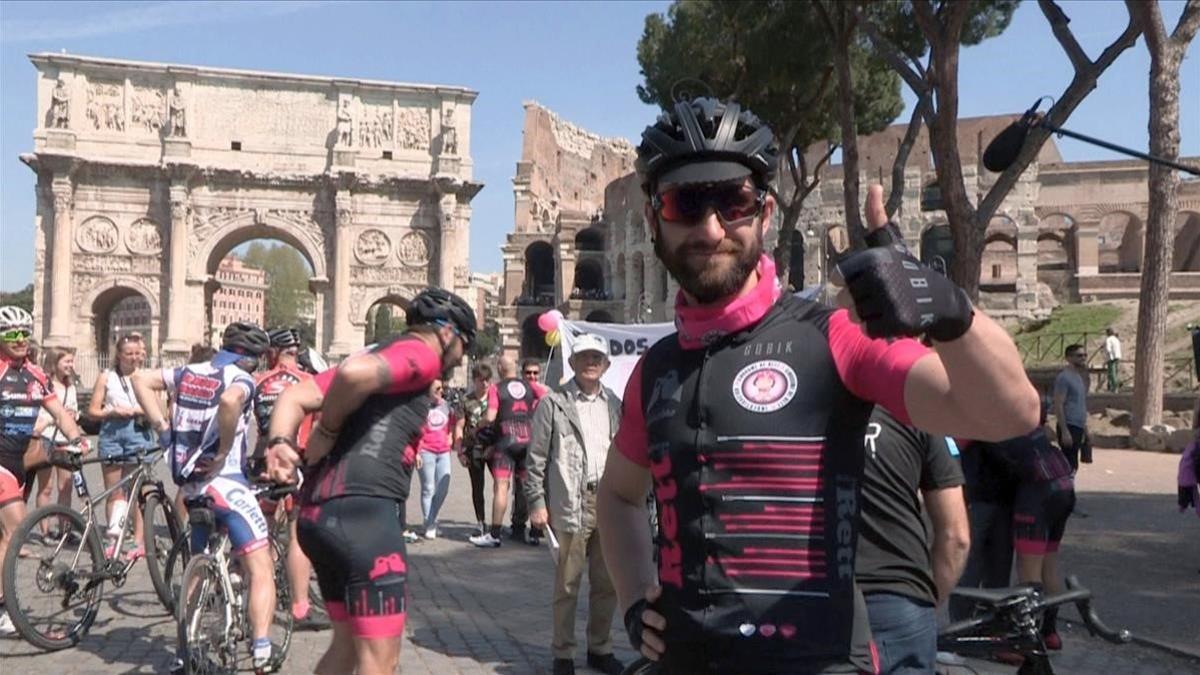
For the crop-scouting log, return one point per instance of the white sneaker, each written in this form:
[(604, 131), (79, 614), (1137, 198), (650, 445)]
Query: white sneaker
[(485, 540), (431, 533), (411, 537), (6, 625)]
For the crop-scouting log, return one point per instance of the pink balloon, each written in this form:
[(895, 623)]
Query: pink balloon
[(547, 321)]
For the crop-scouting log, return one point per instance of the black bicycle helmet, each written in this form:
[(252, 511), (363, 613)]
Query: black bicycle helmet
[(245, 338), (284, 338), (438, 304), (706, 140)]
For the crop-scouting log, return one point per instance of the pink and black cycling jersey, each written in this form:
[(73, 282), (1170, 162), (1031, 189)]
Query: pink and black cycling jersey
[(435, 434), (374, 452), (513, 400), (752, 427), (24, 389)]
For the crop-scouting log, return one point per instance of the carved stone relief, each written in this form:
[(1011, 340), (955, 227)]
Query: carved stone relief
[(375, 128), (389, 275), (106, 106), (144, 237), (97, 235), (372, 247), (345, 123), (149, 110), (449, 133), (108, 264), (414, 129), (414, 249), (177, 114)]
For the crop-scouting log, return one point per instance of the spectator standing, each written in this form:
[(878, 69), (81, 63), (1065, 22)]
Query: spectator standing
[(59, 366), (531, 372), (990, 491), (1112, 356), (433, 458), (472, 452), (1070, 407), (572, 430), (902, 574), (123, 431)]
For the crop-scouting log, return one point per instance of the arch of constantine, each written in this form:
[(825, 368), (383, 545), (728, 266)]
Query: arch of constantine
[(148, 174)]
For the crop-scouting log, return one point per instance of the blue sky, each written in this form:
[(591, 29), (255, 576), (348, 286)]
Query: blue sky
[(579, 59)]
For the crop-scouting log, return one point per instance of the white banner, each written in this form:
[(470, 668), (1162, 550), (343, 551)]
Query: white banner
[(626, 342)]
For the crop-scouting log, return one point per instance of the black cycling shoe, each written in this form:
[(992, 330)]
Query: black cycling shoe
[(605, 663), (564, 667), (517, 534), (313, 621)]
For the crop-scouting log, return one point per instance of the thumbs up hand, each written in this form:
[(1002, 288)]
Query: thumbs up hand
[(895, 295)]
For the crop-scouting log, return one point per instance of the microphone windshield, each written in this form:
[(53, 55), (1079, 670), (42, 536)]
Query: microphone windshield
[(1004, 148)]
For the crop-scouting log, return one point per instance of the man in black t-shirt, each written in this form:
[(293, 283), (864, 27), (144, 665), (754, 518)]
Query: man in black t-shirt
[(991, 491), (902, 578)]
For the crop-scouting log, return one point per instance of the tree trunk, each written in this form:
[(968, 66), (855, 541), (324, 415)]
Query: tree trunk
[(1166, 55), (849, 125)]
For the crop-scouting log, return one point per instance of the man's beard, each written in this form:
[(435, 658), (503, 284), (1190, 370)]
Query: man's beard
[(711, 279)]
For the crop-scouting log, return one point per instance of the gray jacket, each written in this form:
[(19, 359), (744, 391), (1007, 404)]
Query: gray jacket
[(557, 463)]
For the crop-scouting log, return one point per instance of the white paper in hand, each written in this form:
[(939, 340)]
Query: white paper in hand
[(553, 547)]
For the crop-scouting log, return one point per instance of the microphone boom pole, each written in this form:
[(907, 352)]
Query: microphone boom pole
[(1117, 148)]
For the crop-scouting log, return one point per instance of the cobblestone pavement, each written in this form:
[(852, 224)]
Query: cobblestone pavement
[(473, 611)]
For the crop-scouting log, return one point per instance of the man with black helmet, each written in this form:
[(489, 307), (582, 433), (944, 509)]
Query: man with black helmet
[(359, 464), (750, 419), (207, 445), (284, 371)]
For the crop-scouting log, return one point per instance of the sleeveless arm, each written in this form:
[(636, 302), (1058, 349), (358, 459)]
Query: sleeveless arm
[(873, 370), (631, 439)]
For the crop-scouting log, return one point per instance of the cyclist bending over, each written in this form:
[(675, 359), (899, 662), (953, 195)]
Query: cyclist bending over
[(750, 419), (360, 459), (284, 370), (207, 445), (24, 392)]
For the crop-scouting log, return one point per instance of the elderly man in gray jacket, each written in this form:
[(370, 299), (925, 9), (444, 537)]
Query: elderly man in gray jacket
[(572, 429)]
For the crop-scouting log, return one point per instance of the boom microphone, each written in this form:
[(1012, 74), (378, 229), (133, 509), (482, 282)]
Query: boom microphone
[(1004, 148), (1002, 152)]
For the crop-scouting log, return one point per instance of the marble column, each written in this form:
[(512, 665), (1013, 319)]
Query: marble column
[(1087, 249), (61, 310), (177, 340), (342, 344), (447, 241)]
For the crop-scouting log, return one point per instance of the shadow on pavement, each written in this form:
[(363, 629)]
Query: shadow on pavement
[(1141, 558)]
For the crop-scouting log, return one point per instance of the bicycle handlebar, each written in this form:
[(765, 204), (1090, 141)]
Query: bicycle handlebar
[(1093, 623), (1076, 594)]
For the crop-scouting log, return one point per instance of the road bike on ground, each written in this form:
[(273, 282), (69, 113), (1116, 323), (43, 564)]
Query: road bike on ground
[(58, 562), (212, 611)]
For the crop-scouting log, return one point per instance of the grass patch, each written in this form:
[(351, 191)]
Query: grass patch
[(1043, 341)]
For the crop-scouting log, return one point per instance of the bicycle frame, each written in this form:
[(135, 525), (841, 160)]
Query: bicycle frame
[(135, 480)]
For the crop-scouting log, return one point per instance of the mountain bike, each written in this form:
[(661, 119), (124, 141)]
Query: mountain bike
[(1009, 620), (53, 592), (212, 611)]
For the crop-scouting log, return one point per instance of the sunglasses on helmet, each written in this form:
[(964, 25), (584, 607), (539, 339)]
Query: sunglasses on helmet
[(16, 335), (732, 202)]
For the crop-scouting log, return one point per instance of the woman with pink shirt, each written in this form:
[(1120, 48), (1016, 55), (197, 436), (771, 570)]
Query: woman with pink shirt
[(433, 458)]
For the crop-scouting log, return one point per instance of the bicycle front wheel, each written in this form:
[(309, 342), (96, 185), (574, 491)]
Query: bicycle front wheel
[(203, 619), (283, 620), (52, 587), (159, 535)]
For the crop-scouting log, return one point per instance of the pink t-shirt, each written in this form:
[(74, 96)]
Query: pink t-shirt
[(435, 435)]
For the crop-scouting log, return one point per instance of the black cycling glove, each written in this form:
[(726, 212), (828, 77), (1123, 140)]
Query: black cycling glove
[(633, 623), (897, 295)]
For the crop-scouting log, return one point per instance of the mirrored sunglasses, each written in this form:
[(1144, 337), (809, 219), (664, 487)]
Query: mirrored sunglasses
[(732, 202)]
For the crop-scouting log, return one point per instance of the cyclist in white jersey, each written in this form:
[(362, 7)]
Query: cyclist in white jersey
[(207, 444)]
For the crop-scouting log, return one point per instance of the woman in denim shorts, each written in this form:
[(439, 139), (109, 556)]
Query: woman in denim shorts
[(123, 431)]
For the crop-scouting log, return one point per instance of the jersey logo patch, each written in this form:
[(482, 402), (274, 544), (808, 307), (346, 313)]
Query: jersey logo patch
[(765, 386), (437, 418), (516, 390)]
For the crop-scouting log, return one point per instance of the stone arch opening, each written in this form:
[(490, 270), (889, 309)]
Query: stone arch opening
[(796, 261), (385, 318), (1120, 238), (937, 247), (1187, 242), (121, 310), (589, 279), (533, 340), (998, 265), (263, 280), (600, 316), (664, 280), (635, 289), (837, 244), (539, 273), (590, 239)]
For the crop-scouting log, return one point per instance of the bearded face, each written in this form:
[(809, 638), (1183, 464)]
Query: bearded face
[(707, 271)]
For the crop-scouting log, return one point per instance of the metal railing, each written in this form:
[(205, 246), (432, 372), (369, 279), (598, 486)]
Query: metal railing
[(1047, 350), (89, 365)]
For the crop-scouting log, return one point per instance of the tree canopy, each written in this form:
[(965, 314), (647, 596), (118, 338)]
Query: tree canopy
[(288, 297)]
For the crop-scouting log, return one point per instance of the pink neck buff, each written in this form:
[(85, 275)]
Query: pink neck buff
[(701, 325)]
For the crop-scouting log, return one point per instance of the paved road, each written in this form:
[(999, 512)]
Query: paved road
[(487, 611)]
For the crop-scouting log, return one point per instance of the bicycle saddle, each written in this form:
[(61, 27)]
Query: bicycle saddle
[(995, 596)]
